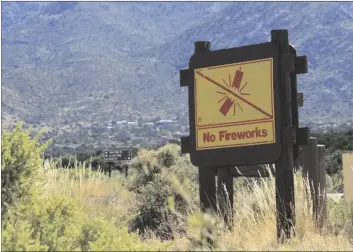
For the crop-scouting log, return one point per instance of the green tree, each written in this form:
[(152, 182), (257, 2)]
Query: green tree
[(21, 159)]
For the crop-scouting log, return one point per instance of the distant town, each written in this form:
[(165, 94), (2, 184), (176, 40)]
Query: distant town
[(139, 133), (119, 133)]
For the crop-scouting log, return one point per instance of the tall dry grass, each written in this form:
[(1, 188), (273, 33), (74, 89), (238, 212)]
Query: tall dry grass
[(255, 221), (94, 192), (254, 205)]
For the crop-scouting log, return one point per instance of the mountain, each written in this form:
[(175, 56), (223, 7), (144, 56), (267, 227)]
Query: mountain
[(83, 61), (70, 62), (321, 31)]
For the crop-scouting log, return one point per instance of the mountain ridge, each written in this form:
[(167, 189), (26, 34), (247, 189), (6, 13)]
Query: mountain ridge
[(65, 63)]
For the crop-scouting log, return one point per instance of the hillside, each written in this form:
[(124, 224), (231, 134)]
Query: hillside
[(66, 59), (70, 63), (321, 31)]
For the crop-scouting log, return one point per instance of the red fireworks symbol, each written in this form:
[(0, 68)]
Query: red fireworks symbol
[(235, 85)]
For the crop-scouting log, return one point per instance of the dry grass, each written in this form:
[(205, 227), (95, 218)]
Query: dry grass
[(255, 225), (255, 220), (95, 194)]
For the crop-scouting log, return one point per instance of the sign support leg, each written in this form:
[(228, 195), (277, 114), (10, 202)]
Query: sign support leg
[(311, 172), (208, 200), (285, 204), (285, 197), (225, 194), (294, 107), (322, 219)]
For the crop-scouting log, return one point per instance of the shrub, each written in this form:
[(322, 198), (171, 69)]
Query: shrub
[(56, 224), (16, 236), (340, 217), (152, 211), (66, 162), (334, 162), (51, 224), (148, 163), (336, 140), (97, 162), (99, 235), (142, 169), (20, 164), (160, 175), (168, 155)]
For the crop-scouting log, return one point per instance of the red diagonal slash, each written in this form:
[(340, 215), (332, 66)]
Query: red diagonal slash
[(231, 92)]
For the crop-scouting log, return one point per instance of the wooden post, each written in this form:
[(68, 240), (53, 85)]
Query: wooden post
[(110, 170), (207, 180), (285, 204), (311, 171), (225, 194), (208, 198), (322, 218), (294, 107), (347, 162)]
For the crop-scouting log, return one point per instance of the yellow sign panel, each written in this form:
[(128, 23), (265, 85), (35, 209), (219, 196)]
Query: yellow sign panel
[(236, 99)]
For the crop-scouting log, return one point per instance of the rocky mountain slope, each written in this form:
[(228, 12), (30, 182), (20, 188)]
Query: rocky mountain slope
[(321, 31), (65, 62), (69, 61)]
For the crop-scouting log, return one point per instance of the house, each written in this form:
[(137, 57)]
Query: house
[(121, 124), (164, 122), (149, 125), (132, 124)]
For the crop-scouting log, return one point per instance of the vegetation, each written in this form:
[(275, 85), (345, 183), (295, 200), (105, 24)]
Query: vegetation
[(335, 143), (20, 164), (46, 208), (155, 208), (336, 140)]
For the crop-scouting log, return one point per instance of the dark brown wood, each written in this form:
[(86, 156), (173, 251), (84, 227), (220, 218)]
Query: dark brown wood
[(251, 171), (186, 77), (301, 65), (185, 144), (207, 181), (225, 194), (284, 166), (303, 135), (294, 104), (300, 98), (310, 171), (322, 218), (208, 196), (207, 175), (289, 61), (202, 46)]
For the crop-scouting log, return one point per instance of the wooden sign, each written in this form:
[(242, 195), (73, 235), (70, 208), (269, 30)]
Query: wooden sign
[(243, 111), (121, 154), (117, 155)]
